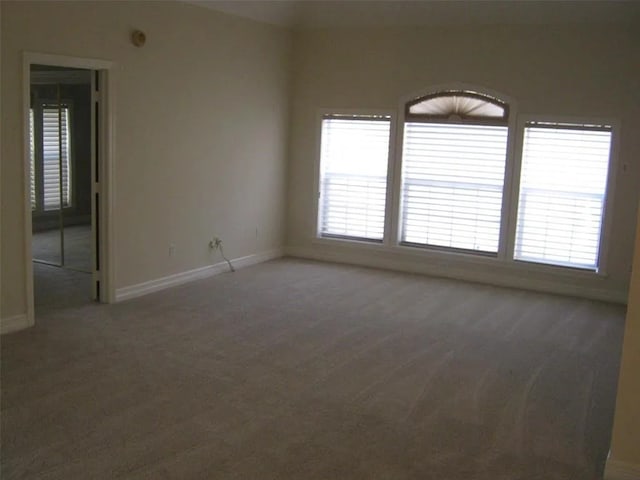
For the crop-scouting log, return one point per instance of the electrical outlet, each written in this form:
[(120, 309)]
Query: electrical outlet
[(215, 243), (172, 249)]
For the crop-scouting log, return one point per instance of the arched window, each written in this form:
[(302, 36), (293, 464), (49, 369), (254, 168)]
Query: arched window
[(462, 105), (453, 168)]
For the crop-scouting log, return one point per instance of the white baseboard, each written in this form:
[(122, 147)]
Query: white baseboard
[(374, 257), (15, 323), (132, 291), (616, 470)]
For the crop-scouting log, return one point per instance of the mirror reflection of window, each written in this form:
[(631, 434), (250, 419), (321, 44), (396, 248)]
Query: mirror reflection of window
[(50, 173)]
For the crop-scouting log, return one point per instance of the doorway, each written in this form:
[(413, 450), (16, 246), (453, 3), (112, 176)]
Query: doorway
[(60, 154), (68, 127)]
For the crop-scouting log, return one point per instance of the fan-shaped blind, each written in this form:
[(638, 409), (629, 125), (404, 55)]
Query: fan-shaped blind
[(459, 105), (452, 182), (55, 140), (562, 192), (353, 177)]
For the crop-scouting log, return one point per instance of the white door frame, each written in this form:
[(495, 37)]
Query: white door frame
[(105, 164)]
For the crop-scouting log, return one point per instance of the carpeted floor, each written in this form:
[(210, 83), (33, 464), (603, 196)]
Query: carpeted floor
[(77, 247), (57, 287), (301, 370)]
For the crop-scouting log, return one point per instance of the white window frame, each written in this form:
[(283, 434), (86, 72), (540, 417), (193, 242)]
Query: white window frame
[(502, 253), (364, 112), (607, 211), (447, 259)]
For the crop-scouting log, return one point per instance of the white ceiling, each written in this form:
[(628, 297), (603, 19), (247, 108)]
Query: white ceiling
[(376, 13)]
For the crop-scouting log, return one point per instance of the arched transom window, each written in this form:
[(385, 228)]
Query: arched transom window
[(460, 105), (453, 165)]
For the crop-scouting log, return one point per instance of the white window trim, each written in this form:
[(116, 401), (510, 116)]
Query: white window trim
[(321, 113), (612, 173), (460, 259), (503, 244)]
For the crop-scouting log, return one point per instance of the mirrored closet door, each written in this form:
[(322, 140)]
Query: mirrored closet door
[(60, 154)]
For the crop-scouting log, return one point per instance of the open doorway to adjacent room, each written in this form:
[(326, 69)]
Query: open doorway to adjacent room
[(62, 154)]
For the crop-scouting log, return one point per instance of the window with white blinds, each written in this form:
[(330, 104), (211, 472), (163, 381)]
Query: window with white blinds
[(56, 170), (452, 184), (462, 188), (353, 177), (562, 194), (32, 161)]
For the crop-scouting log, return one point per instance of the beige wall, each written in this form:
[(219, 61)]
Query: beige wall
[(554, 70), (625, 444), (201, 130)]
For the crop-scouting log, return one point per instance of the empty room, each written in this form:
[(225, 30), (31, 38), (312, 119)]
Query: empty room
[(299, 239)]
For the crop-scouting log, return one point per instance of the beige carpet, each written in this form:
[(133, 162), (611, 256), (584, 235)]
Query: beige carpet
[(302, 370), (58, 287), (77, 247)]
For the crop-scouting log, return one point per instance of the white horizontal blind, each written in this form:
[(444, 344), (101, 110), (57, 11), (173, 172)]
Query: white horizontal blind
[(562, 192), (32, 160), (52, 138), (353, 177), (452, 182)]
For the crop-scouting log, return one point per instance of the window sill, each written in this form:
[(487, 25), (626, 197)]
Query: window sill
[(459, 259)]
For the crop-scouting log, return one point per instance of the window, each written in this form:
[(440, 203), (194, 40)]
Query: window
[(50, 157), (32, 158), (562, 194), (353, 177), (453, 166), (462, 188)]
